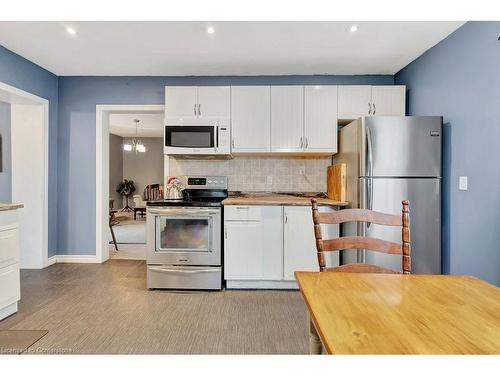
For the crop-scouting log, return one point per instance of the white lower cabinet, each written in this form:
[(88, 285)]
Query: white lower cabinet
[(265, 245), (253, 242), (10, 290), (299, 244)]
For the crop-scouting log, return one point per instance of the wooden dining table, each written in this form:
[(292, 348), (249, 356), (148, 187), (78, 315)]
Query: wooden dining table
[(355, 313)]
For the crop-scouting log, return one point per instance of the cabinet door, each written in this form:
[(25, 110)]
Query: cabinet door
[(181, 101), (242, 258), (320, 118), (10, 291), (214, 101), (251, 118), (389, 100), (287, 118), (354, 101), (253, 248), (299, 245)]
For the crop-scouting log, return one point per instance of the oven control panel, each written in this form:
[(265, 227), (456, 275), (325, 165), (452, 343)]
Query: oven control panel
[(206, 182)]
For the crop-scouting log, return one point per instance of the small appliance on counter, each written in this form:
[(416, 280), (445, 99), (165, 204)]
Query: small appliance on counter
[(173, 190), (184, 236)]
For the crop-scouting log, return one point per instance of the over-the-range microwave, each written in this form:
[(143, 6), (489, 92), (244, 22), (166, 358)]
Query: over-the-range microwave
[(211, 137)]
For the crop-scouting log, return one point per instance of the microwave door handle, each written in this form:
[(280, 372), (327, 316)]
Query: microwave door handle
[(217, 136)]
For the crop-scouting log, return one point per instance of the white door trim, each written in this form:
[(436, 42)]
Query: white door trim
[(102, 169), (13, 95)]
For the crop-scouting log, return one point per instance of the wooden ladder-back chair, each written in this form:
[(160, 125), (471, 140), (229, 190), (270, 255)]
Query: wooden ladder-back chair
[(358, 242)]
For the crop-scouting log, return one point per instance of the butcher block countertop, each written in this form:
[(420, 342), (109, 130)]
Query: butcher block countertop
[(278, 199), (10, 206)]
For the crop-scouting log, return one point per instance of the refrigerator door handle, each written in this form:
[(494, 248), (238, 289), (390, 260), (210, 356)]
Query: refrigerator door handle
[(369, 152), (369, 197)]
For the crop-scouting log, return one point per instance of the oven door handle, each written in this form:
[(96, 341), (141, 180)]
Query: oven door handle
[(170, 212), (172, 270)]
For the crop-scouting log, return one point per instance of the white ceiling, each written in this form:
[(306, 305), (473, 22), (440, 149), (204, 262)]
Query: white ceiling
[(236, 48), (150, 125)]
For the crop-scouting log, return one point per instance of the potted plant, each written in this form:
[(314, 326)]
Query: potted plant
[(125, 189)]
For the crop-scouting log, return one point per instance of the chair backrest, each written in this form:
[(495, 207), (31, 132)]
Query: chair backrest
[(358, 242)]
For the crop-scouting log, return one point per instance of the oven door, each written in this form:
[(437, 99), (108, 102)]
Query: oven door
[(191, 139), (190, 236)]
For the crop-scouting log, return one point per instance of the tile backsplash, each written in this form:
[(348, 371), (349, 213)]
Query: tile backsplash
[(260, 173)]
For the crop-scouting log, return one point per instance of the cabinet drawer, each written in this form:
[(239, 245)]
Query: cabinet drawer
[(243, 213), (9, 247), (10, 291)]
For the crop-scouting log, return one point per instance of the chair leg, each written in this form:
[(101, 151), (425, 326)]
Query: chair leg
[(113, 236), (315, 346)]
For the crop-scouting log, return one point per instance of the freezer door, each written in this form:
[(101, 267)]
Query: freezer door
[(402, 146), (385, 195)]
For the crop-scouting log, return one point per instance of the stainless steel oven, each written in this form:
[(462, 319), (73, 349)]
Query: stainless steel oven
[(184, 238), (185, 235)]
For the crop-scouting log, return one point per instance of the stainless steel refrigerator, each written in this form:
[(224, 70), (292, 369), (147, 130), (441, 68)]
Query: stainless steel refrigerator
[(391, 158)]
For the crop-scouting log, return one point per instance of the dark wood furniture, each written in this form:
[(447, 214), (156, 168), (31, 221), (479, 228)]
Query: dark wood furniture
[(112, 222), (140, 210), (358, 242)]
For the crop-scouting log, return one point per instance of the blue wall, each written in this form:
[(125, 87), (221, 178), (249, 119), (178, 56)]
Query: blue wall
[(459, 78), (25, 75), (78, 97), (6, 173)]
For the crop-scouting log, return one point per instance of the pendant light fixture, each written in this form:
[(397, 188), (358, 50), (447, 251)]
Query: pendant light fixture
[(136, 143)]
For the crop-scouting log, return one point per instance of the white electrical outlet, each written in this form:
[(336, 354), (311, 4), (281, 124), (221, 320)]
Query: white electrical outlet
[(462, 183), (302, 170), (269, 180)]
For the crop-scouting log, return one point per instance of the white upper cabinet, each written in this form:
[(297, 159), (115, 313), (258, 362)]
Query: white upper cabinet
[(287, 118), (251, 119), (214, 101), (388, 100), (320, 119), (357, 101), (181, 101), (191, 102), (354, 101)]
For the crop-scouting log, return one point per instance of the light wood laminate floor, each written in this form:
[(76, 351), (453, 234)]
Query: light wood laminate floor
[(106, 308)]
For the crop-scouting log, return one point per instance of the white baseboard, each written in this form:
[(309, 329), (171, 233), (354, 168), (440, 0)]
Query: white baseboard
[(261, 284), (52, 260), (72, 259)]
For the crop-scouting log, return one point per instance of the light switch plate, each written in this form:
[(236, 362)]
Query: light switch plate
[(462, 183)]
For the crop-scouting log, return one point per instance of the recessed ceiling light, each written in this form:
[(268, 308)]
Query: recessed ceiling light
[(210, 30), (71, 31), (353, 28)]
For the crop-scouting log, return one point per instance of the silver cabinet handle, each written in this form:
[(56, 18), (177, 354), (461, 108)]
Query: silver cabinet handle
[(232, 143), (369, 108), (194, 109), (242, 207), (199, 109), (374, 109), (286, 218), (307, 142), (301, 143)]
